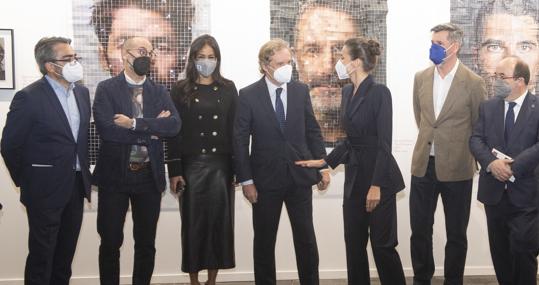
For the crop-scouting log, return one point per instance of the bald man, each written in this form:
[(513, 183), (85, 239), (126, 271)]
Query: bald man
[(132, 115), (509, 123)]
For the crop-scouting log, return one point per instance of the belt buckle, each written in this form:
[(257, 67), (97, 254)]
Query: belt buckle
[(136, 166)]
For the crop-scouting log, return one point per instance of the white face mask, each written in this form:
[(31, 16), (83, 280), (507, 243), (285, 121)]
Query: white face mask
[(72, 71), (342, 73), (283, 74)]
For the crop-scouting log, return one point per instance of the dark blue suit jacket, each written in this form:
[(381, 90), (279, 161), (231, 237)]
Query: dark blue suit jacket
[(367, 118), (273, 152), (523, 147), (113, 96), (38, 146)]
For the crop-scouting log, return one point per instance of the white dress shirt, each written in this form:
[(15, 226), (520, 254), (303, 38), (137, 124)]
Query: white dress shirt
[(517, 107), (273, 94), (440, 89)]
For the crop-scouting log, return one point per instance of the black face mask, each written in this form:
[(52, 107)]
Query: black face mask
[(141, 65)]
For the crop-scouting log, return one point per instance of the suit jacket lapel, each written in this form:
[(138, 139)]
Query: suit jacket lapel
[(81, 104), (498, 123), (345, 100), (125, 96), (355, 102), (428, 85), (55, 102), (452, 94), (266, 103), (290, 105), (523, 114)]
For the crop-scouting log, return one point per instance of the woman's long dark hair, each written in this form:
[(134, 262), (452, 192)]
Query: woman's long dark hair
[(191, 74)]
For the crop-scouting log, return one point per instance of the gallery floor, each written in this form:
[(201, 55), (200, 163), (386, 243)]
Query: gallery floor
[(471, 280)]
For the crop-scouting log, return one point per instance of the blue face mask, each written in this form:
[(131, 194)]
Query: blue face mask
[(437, 53)]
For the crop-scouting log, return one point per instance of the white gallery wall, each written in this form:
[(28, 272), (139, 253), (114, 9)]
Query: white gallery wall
[(240, 26)]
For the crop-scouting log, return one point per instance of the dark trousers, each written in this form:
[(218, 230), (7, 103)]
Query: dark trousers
[(266, 215), (52, 240), (145, 208), (382, 224), (513, 237), (456, 199)]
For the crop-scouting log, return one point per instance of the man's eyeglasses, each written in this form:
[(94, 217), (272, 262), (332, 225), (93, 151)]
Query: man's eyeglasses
[(142, 52), (501, 76), (70, 59)]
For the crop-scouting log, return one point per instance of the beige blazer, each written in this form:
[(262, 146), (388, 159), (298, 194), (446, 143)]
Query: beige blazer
[(451, 131)]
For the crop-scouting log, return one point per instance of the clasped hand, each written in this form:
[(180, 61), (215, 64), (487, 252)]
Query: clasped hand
[(501, 169)]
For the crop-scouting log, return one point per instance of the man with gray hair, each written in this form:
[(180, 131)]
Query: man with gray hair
[(45, 148), (446, 100)]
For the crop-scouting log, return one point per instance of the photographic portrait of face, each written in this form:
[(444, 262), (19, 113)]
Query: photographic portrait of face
[(166, 24), (2, 55), (504, 35), (150, 25), (320, 35)]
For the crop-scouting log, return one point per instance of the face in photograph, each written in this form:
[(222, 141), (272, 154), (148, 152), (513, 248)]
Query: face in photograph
[(150, 25), (2, 61), (508, 35), (320, 36)]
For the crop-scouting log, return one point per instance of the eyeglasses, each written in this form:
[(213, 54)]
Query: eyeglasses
[(501, 76), (142, 52), (70, 59)]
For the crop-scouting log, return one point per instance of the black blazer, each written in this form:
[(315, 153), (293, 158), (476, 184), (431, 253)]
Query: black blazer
[(113, 96), (38, 146), (523, 147), (367, 119), (273, 152)]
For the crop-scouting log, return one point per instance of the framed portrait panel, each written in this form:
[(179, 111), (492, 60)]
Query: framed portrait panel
[(7, 66)]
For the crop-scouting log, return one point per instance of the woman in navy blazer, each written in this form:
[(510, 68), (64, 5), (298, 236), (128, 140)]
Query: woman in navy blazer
[(372, 176)]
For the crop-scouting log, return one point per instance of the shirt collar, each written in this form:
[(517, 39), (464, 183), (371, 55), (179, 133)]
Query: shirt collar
[(57, 86), (132, 81), (520, 100), (272, 87), (451, 73)]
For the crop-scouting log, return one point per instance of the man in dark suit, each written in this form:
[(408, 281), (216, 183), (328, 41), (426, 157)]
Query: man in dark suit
[(45, 148), (507, 185), (132, 115), (278, 115)]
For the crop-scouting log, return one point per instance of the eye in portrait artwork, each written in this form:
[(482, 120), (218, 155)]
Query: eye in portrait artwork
[(496, 29)]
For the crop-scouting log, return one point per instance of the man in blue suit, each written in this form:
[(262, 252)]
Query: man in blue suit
[(508, 124), (132, 115), (45, 148), (277, 114)]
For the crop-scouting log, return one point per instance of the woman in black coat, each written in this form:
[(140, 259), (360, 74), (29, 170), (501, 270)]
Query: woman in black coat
[(200, 162), (372, 176)]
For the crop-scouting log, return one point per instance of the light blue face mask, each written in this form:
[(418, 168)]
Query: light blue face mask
[(206, 66)]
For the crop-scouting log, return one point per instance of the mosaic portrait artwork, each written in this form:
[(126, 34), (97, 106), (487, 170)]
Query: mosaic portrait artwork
[(100, 27), (495, 29), (316, 31)]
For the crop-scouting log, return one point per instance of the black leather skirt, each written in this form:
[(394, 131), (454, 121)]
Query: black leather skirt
[(207, 211)]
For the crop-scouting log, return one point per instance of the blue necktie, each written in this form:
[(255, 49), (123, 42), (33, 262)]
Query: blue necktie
[(279, 108), (509, 121)]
